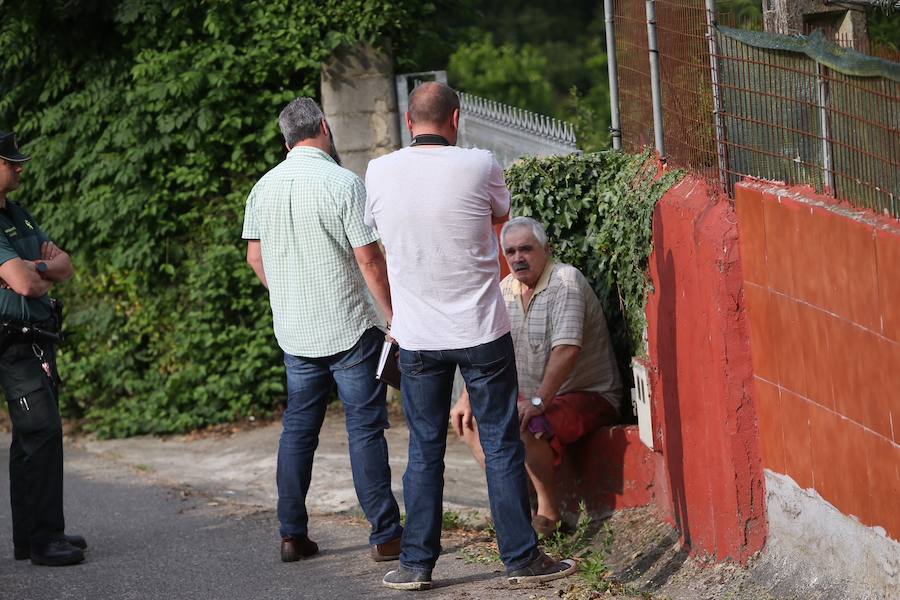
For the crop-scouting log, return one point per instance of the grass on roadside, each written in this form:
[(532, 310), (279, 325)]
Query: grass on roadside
[(588, 545), (453, 520)]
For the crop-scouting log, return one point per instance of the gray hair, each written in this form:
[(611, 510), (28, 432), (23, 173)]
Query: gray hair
[(536, 229), (300, 120)]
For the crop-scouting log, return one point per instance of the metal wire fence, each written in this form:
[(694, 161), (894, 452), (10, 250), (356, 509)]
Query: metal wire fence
[(634, 75), (789, 117), (860, 44), (783, 115), (686, 85), (685, 77)]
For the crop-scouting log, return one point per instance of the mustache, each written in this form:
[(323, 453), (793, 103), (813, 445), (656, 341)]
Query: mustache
[(520, 265)]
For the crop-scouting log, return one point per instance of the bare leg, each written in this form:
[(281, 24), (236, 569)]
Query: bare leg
[(539, 464), (473, 441)]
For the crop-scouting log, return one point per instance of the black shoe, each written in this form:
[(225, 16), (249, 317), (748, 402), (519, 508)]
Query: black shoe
[(404, 579), (543, 568), (24, 552), (295, 548), (57, 553)]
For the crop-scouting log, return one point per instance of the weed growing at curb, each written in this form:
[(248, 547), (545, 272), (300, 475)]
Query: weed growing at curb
[(563, 545), (481, 553), (452, 519), (587, 545)]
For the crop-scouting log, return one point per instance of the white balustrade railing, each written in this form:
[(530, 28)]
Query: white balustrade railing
[(524, 120)]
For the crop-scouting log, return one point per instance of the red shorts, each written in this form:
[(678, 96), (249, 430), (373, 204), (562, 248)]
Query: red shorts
[(574, 415)]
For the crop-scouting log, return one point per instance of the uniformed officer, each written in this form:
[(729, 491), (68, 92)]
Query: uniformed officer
[(30, 264)]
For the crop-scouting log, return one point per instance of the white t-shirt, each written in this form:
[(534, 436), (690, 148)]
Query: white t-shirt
[(432, 207)]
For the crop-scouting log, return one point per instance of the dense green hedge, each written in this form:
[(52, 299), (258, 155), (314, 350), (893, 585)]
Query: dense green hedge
[(598, 210), (149, 121)]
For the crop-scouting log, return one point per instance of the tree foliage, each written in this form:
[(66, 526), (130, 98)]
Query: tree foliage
[(545, 57), (746, 14), (514, 75), (149, 121), (884, 31)]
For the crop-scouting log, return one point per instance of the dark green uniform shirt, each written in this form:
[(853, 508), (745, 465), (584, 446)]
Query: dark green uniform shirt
[(20, 237)]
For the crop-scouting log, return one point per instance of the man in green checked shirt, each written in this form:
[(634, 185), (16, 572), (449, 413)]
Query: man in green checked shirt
[(308, 244)]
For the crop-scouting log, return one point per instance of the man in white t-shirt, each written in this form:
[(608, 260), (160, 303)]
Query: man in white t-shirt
[(433, 205)]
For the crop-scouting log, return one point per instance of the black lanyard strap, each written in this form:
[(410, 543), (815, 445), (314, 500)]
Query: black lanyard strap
[(429, 139)]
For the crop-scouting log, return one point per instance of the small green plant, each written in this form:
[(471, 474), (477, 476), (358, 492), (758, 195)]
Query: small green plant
[(452, 519), (481, 553), (591, 550), (593, 571), (583, 544), (608, 537), (490, 529), (564, 545)]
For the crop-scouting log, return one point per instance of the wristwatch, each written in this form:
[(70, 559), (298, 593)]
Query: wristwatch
[(538, 403), (42, 267)]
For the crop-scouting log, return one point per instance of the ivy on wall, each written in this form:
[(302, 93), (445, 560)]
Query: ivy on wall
[(149, 121), (598, 211)]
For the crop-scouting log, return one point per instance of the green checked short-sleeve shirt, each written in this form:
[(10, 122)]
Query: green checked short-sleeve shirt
[(307, 214)]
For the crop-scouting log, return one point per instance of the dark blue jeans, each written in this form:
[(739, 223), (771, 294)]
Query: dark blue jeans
[(490, 374), (309, 383)]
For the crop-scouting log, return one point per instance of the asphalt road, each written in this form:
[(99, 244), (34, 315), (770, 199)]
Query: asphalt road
[(148, 541)]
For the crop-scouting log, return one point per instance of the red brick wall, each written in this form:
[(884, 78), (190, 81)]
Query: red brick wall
[(709, 473), (823, 289)]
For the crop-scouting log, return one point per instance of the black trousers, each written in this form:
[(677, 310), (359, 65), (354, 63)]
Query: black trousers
[(36, 453)]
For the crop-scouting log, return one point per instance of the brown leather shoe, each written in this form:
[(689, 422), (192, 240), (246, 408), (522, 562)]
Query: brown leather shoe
[(295, 548), (386, 551)]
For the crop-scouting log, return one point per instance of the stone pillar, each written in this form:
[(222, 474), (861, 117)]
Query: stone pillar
[(360, 102), (842, 23)]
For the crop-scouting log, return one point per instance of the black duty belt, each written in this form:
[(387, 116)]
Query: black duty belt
[(13, 332)]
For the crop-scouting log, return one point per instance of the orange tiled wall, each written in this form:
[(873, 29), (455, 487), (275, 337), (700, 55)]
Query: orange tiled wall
[(823, 292)]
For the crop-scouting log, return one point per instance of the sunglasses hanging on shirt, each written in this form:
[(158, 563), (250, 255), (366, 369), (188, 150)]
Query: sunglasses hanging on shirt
[(429, 139)]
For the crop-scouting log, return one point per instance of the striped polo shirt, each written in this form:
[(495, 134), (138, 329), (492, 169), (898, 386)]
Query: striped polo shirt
[(564, 310)]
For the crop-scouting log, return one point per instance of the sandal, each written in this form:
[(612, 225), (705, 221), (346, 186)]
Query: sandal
[(547, 528)]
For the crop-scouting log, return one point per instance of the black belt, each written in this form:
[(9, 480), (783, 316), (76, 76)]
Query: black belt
[(15, 332)]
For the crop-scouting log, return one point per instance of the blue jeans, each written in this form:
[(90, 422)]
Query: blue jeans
[(489, 371), (309, 383)]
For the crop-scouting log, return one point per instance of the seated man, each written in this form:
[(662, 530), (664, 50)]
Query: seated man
[(569, 384)]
